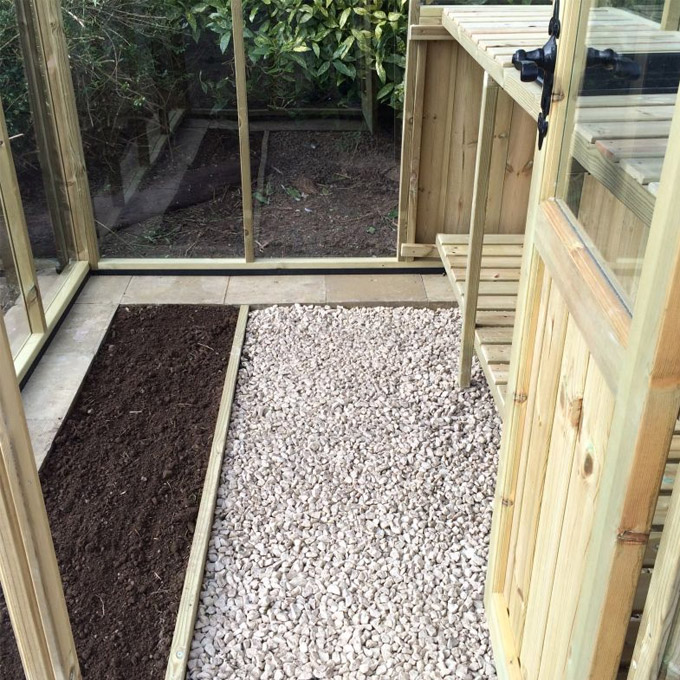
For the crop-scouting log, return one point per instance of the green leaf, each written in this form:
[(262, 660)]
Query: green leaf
[(344, 16), (346, 69), (385, 90), (224, 42)]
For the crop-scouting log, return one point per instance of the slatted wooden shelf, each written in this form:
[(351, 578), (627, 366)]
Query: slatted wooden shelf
[(501, 263), (620, 139)]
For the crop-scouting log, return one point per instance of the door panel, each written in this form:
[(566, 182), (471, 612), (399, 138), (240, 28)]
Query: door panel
[(582, 453)]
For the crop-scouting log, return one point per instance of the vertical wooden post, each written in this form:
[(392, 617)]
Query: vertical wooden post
[(670, 19), (28, 565), (243, 130), (19, 246), (475, 244), (57, 128), (408, 131), (413, 176)]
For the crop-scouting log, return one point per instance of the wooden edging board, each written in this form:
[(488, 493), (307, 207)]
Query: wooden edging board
[(193, 580)]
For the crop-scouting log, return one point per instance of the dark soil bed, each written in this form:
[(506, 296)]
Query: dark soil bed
[(122, 486), (330, 194)]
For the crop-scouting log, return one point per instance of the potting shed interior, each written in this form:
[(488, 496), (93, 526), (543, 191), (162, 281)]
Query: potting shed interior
[(382, 297)]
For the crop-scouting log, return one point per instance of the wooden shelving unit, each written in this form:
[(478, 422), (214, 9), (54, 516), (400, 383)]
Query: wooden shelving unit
[(495, 318), (620, 140)]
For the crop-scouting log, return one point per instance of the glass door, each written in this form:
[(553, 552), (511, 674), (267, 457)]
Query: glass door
[(582, 459)]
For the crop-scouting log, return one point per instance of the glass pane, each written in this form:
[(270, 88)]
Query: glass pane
[(325, 91), (11, 301), (155, 93), (51, 241), (626, 100)]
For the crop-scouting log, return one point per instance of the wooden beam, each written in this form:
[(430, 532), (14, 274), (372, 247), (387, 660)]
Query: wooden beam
[(243, 130), (57, 127), (644, 420), (410, 250), (429, 32), (193, 580), (416, 141), (479, 201), (670, 19), (274, 264), (15, 223), (28, 565), (403, 230)]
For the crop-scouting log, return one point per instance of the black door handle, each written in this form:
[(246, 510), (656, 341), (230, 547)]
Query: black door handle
[(541, 62)]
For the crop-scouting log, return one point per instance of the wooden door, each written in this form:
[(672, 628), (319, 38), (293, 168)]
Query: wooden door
[(593, 391)]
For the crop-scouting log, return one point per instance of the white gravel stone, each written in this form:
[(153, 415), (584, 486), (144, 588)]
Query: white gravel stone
[(351, 531)]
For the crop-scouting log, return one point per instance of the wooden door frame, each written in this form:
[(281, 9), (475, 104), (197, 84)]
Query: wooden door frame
[(638, 359)]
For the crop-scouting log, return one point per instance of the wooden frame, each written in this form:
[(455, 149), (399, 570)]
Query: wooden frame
[(271, 264), (28, 564), (243, 130), (57, 127), (15, 223), (479, 202)]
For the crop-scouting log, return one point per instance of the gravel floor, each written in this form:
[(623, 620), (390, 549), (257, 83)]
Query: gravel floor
[(350, 538)]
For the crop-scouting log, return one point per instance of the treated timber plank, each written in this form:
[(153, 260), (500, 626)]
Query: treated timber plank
[(562, 447), (477, 224), (643, 170), (497, 393), (624, 114), (421, 51), (243, 130), (496, 354), (591, 132), (489, 239), (494, 287), (407, 140), (499, 373), (496, 319), (549, 346), (438, 134), (499, 155), (616, 149), (489, 335), (193, 580), (595, 419), (487, 274)]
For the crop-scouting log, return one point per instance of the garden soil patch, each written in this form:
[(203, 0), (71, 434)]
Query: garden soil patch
[(330, 194), (123, 481)]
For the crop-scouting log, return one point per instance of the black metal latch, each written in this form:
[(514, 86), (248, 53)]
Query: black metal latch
[(541, 63), (620, 67)]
